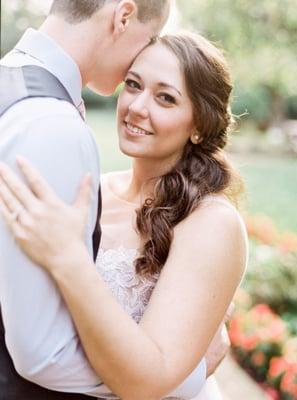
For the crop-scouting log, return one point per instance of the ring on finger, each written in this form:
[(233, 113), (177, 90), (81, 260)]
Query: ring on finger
[(15, 215)]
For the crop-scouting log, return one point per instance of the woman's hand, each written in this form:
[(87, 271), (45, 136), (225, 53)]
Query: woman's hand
[(219, 346), (49, 231)]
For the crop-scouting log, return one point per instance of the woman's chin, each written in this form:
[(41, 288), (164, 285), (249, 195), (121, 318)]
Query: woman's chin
[(129, 152)]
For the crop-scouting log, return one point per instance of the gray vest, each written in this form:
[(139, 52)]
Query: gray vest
[(17, 84)]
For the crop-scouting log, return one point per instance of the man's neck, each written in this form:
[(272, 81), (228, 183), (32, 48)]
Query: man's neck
[(71, 38)]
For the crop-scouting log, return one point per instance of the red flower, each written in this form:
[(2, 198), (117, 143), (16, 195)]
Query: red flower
[(289, 381), (262, 309), (259, 325), (249, 343), (277, 367)]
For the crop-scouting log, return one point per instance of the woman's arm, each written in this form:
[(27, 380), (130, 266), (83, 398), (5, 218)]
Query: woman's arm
[(204, 267), (196, 286)]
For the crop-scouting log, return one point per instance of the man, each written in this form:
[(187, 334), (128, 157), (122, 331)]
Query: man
[(80, 43)]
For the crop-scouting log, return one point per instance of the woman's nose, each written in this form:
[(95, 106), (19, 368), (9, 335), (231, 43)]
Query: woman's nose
[(139, 105)]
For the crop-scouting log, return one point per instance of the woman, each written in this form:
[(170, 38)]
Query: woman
[(175, 264)]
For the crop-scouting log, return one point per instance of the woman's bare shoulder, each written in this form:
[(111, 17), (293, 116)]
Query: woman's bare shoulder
[(216, 227), (217, 212)]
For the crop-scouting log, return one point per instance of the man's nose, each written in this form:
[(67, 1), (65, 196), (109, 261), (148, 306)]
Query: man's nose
[(139, 105)]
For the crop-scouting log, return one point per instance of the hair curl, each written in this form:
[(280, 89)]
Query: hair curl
[(203, 168)]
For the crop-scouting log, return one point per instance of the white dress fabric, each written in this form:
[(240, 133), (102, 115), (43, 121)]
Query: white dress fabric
[(115, 262)]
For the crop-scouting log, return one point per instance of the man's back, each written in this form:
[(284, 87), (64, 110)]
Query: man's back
[(39, 332)]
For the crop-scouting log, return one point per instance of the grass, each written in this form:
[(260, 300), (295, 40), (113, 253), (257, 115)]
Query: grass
[(271, 182)]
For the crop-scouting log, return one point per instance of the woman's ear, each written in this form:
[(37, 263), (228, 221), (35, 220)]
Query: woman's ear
[(124, 12)]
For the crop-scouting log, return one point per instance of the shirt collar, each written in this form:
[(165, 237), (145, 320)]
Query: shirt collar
[(43, 48)]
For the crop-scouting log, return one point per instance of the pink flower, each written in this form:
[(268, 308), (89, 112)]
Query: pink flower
[(277, 367), (249, 343), (262, 309), (272, 393), (288, 242), (289, 381), (262, 228)]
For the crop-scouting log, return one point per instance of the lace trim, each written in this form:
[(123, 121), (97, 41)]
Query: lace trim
[(131, 290)]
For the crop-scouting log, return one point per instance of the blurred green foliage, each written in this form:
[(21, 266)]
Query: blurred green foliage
[(271, 279), (16, 16), (260, 41)]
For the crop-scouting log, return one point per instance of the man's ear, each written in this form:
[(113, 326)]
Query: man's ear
[(124, 12)]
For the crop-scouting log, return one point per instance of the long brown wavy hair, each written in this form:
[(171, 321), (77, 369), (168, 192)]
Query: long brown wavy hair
[(203, 168)]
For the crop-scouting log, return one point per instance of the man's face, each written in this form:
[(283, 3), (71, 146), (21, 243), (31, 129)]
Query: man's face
[(123, 52), (138, 37)]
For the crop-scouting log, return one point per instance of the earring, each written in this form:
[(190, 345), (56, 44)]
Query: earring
[(195, 139)]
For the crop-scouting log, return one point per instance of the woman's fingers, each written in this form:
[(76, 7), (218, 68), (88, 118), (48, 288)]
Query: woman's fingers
[(12, 222), (5, 212), (9, 199), (36, 182), (12, 210), (83, 198), (14, 189)]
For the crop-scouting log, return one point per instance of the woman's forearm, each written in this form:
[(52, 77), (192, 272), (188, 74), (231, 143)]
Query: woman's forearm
[(119, 350)]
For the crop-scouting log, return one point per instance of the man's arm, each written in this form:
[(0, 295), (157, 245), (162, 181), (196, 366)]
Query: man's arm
[(40, 335)]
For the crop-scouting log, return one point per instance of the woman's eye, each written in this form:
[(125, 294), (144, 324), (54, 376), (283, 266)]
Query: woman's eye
[(132, 84), (167, 98)]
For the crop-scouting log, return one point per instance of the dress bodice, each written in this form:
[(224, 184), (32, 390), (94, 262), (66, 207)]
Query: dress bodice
[(131, 290), (118, 251)]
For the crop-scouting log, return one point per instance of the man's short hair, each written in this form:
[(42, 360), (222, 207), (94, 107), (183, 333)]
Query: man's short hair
[(75, 11)]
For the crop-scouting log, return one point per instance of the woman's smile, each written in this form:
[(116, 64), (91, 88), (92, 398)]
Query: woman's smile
[(135, 130)]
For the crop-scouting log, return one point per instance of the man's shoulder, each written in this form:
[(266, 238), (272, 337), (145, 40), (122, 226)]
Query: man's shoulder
[(43, 115), (48, 124), (33, 108)]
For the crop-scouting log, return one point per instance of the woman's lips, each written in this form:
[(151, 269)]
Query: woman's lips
[(136, 130)]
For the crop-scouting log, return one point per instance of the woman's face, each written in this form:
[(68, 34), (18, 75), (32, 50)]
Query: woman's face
[(155, 117)]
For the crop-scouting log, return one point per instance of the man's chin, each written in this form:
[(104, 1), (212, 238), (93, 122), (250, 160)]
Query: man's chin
[(105, 91)]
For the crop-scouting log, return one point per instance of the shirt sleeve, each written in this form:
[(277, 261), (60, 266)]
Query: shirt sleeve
[(40, 335)]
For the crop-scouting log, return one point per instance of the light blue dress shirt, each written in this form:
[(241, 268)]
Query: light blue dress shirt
[(40, 334)]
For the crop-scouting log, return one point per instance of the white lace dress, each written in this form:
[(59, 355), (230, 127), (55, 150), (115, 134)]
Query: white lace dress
[(115, 262)]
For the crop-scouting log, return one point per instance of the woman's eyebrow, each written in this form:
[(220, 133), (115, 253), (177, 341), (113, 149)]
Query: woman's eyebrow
[(135, 74), (161, 84)]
